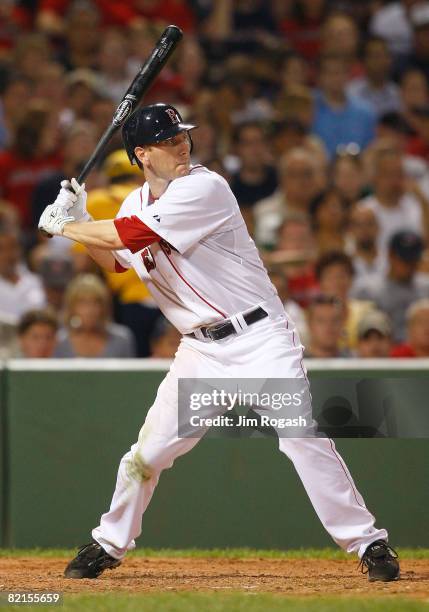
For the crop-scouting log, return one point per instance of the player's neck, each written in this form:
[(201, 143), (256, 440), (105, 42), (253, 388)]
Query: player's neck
[(156, 184)]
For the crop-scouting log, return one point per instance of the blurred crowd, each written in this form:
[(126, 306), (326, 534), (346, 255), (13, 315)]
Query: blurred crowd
[(315, 111)]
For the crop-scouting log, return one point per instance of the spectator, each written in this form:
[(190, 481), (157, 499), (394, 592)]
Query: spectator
[(101, 111), (417, 338), (56, 272), (295, 104), (418, 145), (339, 120), (414, 95), (205, 142), (340, 38), (348, 177), (395, 292), (164, 340), (82, 91), (37, 334), (297, 186), (114, 79), (294, 256), (20, 290), (375, 88), (328, 213), (419, 58), (278, 276), (362, 243), (241, 93), (325, 327), (89, 332), (8, 215), (393, 132), (32, 155), (334, 272), (392, 23), (293, 72), (13, 104), (302, 26), (286, 135), (30, 55), (51, 88), (241, 22), (256, 177), (374, 336), (133, 304), (82, 37), (78, 144), (396, 208), (52, 16), (192, 68)]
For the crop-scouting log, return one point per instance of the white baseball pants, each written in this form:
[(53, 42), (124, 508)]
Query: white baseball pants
[(269, 348)]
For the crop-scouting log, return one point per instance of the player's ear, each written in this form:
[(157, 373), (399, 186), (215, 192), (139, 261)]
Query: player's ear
[(141, 154)]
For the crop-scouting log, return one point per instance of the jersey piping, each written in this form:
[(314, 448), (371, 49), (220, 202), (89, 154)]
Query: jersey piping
[(190, 286)]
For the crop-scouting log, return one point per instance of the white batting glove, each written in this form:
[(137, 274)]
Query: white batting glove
[(73, 197), (53, 219)]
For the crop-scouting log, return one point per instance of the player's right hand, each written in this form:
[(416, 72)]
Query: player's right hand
[(72, 197), (53, 220)]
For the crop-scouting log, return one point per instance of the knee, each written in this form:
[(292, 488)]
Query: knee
[(144, 464), (138, 468)]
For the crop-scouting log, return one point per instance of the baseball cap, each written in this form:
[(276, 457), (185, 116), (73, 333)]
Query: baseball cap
[(84, 76), (407, 245), (374, 320), (419, 15), (56, 271), (117, 164)]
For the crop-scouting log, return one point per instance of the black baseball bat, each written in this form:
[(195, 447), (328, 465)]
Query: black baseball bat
[(134, 95)]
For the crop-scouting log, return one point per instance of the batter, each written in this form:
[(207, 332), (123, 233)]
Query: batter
[(184, 235)]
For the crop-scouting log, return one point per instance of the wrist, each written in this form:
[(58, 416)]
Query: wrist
[(66, 229)]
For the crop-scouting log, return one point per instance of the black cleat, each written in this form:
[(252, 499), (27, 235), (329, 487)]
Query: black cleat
[(381, 562), (90, 561)]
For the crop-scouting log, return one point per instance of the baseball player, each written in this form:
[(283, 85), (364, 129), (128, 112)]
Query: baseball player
[(184, 235)]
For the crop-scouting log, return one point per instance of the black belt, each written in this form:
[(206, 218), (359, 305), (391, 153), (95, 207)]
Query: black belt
[(223, 330)]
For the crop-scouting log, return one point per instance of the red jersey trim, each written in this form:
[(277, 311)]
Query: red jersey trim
[(135, 234), (190, 286), (119, 268)]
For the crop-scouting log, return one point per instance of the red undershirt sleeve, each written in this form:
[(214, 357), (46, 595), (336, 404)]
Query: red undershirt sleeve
[(135, 234)]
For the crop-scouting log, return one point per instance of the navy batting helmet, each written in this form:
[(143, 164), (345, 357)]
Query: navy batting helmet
[(151, 124)]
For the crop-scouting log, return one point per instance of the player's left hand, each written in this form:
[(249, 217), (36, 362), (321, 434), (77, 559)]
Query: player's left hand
[(73, 196), (53, 220)]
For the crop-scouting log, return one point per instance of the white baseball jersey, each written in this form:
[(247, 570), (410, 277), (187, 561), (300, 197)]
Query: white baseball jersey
[(206, 267)]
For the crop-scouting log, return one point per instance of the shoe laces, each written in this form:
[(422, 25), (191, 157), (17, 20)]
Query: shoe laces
[(376, 550)]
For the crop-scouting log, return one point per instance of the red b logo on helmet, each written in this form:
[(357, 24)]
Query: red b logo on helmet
[(173, 115)]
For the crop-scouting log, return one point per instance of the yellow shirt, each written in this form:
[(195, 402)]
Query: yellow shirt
[(104, 204)]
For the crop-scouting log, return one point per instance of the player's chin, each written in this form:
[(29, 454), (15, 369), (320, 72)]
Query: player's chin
[(183, 169)]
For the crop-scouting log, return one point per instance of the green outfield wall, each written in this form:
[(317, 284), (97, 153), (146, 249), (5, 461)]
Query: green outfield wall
[(66, 424)]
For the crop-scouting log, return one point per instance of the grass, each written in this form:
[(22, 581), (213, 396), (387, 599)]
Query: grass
[(228, 602), (215, 553)]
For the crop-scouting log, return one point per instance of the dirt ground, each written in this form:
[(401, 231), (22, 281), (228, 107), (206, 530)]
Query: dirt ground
[(288, 577)]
